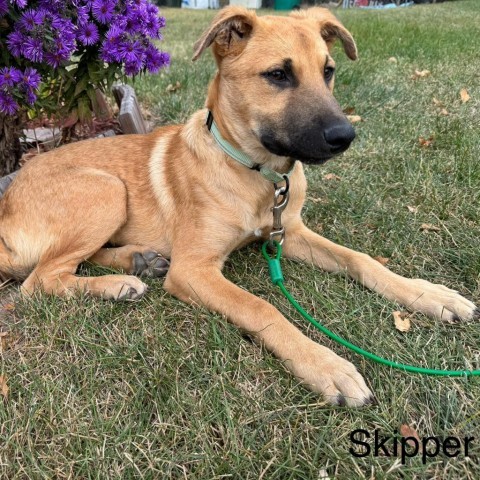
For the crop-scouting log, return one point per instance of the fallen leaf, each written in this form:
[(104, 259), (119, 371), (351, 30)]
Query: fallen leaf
[(323, 475), (402, 321), (392, 60), (354, 118), (9, 306), (428, 227), (173, 88), (408, 431), (464, 95), (3, 386), (331, 176), (426, 142), (6, 341), (382, 260), (420, 74), (412, 209), (437, 102), (349, 110), (444, 112)]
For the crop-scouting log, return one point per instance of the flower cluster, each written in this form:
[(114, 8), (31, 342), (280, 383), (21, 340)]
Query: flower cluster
[(17, 84), (48, 35)]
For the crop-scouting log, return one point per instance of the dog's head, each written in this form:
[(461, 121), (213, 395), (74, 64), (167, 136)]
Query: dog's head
[(273, 89)]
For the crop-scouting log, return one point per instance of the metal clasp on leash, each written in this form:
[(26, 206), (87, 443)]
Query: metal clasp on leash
[(280, 201)]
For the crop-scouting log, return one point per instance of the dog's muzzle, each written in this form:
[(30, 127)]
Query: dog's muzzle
[(314, 143)]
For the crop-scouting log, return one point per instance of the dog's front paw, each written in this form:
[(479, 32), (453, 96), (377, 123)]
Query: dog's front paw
[(324, 372), (440, 302)]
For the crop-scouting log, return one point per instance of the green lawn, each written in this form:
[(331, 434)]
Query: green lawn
[(159, 389)]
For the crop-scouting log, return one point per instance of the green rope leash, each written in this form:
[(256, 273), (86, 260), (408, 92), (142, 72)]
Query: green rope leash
[(277, 279)]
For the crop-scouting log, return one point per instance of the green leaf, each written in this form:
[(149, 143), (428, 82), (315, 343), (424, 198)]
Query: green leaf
[(81, 86)]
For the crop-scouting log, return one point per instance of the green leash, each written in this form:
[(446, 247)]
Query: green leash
[(277, 279)]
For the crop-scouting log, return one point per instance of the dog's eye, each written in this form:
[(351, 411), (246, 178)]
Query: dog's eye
[(328, 73), (277, 75)]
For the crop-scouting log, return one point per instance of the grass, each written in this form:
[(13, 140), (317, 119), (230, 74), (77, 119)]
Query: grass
[(159, 389)]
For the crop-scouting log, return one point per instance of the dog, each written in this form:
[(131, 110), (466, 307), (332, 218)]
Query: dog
[(130, 202)]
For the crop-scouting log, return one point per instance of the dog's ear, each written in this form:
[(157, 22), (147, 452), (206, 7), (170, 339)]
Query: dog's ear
[(229, 30), (330, 28)]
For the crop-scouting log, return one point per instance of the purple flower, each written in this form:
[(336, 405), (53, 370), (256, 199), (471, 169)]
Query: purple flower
[(19, 3), (65, 44), (7, 104), (103, 10), (30, 97), (83, 15), (132, 68), (30, 79), (155, 60), (33, 49), (131, 52), (54, 6), (109, 53), (152, 9), (111, 44), (62, 24), (15, 43), (88, 34), (152, 27), (60, 51), (30, 19), (164, 60), (54, 59), (9, 76), (3, 7), (134, 17), (114, 34)]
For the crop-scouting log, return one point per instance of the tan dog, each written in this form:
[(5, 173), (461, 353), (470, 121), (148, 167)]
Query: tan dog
[(174, 191)]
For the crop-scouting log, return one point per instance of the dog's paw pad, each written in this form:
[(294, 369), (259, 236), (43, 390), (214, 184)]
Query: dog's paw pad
[(150, 264)]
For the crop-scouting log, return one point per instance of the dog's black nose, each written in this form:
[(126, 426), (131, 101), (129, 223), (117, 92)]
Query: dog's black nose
[(339, 136)]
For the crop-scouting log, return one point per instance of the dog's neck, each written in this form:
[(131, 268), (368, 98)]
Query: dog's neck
[(242, 158)]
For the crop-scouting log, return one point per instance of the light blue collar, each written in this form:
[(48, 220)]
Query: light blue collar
[(241, 157)]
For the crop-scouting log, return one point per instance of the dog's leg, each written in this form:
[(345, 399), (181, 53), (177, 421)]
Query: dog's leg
[(135, 259), (417, 295), (85, 208), (56, 277), (315, 365)]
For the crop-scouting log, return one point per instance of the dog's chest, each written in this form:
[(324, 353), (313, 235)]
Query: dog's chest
[(256, 225)]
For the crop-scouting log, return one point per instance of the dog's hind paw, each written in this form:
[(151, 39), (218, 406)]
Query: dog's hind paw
[(117, 287), (150, 264)]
